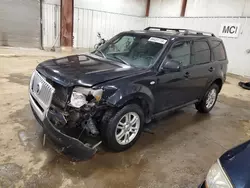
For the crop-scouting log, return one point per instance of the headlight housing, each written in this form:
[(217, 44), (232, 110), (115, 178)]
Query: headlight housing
[(216, 177), (81, 96)]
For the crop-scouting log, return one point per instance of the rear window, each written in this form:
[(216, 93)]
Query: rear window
[(219, 51)]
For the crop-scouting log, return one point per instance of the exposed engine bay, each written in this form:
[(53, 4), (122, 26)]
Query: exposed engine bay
[(80, 116)]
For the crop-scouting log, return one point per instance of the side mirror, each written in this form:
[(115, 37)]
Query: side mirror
[(171, 66)]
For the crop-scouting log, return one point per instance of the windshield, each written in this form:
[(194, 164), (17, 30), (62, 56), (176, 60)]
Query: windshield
[(134, 50)]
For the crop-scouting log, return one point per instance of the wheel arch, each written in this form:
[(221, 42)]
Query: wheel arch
[(144, 104), (218, 82), (139, 95)]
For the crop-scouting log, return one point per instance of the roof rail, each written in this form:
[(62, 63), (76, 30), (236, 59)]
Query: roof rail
[(185, 31), (189, 31), (165, 29)]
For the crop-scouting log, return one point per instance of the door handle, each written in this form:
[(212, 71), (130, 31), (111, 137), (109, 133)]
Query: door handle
[(186, 75), (211, 69)]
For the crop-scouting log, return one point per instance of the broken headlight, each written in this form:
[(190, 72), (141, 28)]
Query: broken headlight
[(81, 96), (77, 99)]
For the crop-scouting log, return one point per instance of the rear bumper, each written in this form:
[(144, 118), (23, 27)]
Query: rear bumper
[(71, 146)]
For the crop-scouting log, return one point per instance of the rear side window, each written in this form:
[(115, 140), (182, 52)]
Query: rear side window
[(219, 51), (200, 52)]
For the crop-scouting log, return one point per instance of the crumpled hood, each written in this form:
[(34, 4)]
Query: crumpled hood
[(85, 70), (236, 163)]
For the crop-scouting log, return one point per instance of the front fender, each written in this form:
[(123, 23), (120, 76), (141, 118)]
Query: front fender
[(131, 92)]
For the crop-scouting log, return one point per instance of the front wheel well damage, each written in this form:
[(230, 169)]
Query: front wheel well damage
[(144, 106)]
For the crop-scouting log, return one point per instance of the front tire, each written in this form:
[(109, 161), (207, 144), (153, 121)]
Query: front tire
[(209, 100), (123, 128)]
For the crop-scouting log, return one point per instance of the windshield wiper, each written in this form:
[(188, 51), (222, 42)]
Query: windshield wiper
[(101, 53), (121, 60)]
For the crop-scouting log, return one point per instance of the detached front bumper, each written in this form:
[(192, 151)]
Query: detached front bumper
[(64, 143)]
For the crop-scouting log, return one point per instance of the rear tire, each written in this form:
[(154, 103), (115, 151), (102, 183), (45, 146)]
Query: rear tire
[(119, 134), (209, 99)]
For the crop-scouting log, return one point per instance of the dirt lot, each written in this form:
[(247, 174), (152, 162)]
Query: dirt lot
[(179, 153)]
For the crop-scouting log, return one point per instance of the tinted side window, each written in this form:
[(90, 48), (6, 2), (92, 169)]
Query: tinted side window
[(180, 52), (200, 52), (219, 51)]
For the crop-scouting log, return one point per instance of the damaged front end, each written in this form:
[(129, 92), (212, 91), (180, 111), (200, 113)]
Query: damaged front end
[(69, 116)]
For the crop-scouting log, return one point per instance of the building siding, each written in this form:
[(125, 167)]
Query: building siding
[(20, 23)]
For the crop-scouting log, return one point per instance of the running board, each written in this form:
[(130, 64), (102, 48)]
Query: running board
[(148, 128), (155, 116)]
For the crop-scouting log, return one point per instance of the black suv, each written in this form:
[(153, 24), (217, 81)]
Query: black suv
[(112, 92)]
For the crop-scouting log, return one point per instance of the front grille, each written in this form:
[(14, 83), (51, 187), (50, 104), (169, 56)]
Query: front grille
[(41, 89), (61, 94), (41, 94)]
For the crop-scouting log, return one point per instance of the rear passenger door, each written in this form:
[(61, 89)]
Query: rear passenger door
[(201, 69)]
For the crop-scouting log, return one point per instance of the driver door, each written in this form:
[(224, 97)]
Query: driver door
[(172, 88)]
